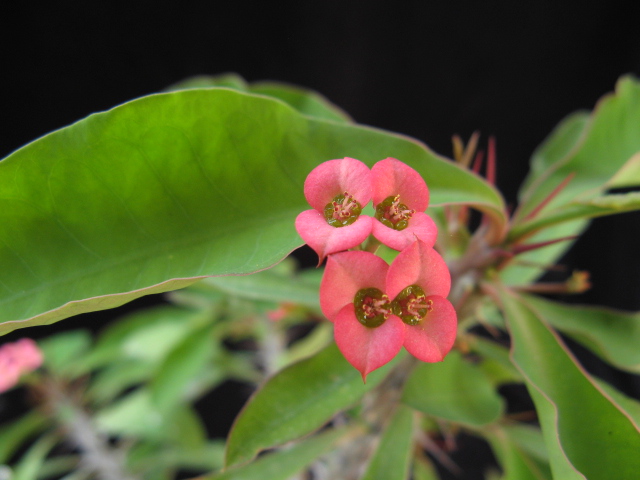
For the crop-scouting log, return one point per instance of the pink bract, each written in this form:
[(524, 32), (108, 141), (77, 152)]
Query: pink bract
[(17, 358), (421, 226), (323, 184), (345, 274), (334, 177), (325, 239), (390, 178), (421, 265), (367, 348)]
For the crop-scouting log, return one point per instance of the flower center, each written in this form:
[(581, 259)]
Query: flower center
[(411, 305), (372, 307), (394, 214), (342, 210)]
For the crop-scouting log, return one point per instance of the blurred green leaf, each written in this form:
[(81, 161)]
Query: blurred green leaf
[(600, 152), (594, 150), (30, 463), (454, 390), (169, 385), (283, 463), (495, 362), (14, 434), (560, 143), (611, 334), (589, 438), (515, 463), (393, 455), (162, 191), (529, 439), (64, 352), (423, 469), (296, 401), (270, 285)]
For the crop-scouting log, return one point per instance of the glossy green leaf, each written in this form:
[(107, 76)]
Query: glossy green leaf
[(284, 463), (170, 188), (393, 455), (611, 334), (296, 401), (454, 390), (589, 438)]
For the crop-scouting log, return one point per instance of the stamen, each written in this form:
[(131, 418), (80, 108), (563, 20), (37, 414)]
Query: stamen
[(394, 214), (342, 210), (372, 307), (411, 305)]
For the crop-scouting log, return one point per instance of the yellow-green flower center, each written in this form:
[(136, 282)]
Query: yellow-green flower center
[(394, 214), (343, 210), (372, 307), (411, 305)]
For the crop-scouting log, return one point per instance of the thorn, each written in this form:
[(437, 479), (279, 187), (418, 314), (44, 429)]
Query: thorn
[(470, 150), (491, 161), (550, 197), (477, 162), (518, 249), (458, 148)]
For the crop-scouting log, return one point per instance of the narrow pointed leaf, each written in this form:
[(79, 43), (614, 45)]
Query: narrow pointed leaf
[(589, 438), (170, 188), (597, 150), (611, 334), (454, 390), (297, 401), (393, 454)]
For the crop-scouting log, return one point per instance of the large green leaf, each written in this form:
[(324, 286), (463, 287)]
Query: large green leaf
[(454, 390), (393, 455), (613, 335), (297, 401), (170, 188), (587, 434)]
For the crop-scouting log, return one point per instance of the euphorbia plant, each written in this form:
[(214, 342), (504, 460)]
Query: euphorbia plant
[(201, 189)]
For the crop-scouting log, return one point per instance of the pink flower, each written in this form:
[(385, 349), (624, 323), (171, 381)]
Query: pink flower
[(337, 190), (377, 308), (400, 197), (16, 359)]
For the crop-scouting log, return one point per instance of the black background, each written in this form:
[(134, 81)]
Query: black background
[(426, 69)]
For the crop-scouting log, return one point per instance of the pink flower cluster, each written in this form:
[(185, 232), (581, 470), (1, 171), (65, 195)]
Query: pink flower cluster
[(16, 359), (378, 308)]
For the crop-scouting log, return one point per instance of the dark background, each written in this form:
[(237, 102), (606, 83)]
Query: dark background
[(426, 69)]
